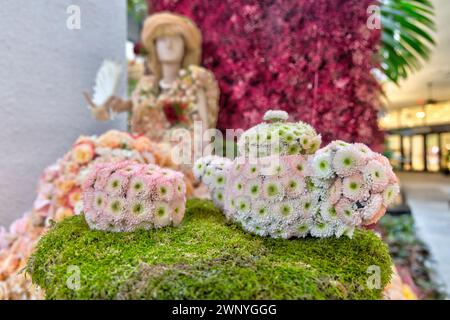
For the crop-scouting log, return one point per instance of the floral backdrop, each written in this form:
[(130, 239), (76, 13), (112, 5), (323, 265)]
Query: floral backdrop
[(312, 58)]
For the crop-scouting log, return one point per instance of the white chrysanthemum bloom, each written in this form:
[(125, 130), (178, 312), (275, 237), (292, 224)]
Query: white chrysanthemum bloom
[(273, 189), (322, 229), (300, 229), (285, 208), (321, 165), (372, 207), (353, 187), (260, 208), (390, 194), (219, 196), (219, 180), (375, 175), (275, 116), (306, 205), (243, 205), (347, 212), (253, 188), (343, 229), (328, 211), (294, 185), (251, 171), (238, 186), (208, 177), (346, 161)]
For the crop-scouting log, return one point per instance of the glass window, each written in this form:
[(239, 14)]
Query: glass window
[(445, 147), (438, 113), (417, 153), (407, 165), (412, 117), (433, 152), (394, 150)]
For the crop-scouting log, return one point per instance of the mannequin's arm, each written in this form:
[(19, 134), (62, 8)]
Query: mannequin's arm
[(202, 107), (115, 104)]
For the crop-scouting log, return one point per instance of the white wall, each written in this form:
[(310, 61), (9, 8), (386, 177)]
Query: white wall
[(44, 67)]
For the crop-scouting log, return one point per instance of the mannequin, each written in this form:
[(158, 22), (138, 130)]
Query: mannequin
[(177, 92)]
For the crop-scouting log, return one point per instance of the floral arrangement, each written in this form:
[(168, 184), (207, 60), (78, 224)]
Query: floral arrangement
[(124, 196), (276, 137), (155, 112), (327, 193), (59, 194), (311, 58)]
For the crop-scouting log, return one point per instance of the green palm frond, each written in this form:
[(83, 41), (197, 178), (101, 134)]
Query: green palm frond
[(406, 39)]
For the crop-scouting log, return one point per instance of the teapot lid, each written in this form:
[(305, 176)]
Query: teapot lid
[(276, 136)]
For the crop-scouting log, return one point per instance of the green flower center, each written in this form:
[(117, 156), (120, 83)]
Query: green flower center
[(138, 208), (137, 186), (115, 183), (323, 165), (353, 185), (163, 190), (115, 206), (347, 161), (161, 211)]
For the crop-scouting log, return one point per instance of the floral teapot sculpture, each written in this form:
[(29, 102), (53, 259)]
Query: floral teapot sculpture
[(282, 186)]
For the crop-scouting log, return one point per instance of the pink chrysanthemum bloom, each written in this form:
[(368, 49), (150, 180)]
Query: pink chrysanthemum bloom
[(178, 208), (353, 188), (375, 175), (117, 184), (347, 213), (164, 190), (335, 191), (372, 207), (115, 206), (161, 214), (140, 186), (297, 164), (346, 161)]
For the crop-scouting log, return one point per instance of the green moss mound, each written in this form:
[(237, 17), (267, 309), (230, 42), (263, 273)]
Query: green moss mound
[(204, 258)]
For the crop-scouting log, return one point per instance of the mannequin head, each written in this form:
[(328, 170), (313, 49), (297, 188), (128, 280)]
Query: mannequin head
[(170, 49), (171, 38)]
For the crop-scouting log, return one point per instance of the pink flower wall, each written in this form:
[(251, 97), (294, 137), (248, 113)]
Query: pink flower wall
[(312, 58)]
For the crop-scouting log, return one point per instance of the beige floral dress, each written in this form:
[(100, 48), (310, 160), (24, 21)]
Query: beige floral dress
[(155, 112)]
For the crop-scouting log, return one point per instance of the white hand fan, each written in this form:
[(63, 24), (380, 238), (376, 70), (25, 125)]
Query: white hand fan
[(106, 82)]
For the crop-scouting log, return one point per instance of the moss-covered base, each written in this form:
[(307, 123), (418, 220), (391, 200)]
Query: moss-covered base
[(204, 258)]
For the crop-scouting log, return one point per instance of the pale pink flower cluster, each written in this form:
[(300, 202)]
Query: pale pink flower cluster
[(329, 193), (125, 196)]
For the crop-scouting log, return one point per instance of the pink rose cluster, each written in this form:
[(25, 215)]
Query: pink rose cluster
[(329, 193), (125, 196), (311, 58)]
